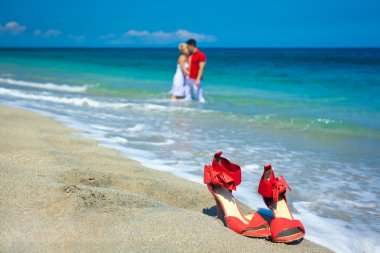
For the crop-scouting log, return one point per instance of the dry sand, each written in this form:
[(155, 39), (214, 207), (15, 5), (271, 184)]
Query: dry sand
[(63, 193)]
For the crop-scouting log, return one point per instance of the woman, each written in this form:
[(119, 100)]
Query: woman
[(178, 88)]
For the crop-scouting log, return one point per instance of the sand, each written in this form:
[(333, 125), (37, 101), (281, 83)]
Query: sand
[(64, 193)]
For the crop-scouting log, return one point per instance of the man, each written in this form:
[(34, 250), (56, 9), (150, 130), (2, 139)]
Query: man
[(197, 65)]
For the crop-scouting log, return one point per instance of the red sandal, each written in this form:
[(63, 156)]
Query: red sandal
[(284, 227), (221, 178)]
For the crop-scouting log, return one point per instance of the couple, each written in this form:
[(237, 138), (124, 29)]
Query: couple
[(188, 77)]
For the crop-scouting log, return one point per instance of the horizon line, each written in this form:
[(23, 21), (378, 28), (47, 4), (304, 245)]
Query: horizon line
[(171, 47)]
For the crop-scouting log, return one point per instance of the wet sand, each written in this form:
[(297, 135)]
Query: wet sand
[(64, 193)]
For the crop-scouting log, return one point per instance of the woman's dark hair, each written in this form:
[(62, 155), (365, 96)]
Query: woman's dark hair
[(192, 42)]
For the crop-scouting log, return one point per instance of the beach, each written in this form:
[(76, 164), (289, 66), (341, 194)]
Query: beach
[(311, 113), (63, 193)]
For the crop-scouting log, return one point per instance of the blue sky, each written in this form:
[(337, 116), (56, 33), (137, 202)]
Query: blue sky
[(238, 23)]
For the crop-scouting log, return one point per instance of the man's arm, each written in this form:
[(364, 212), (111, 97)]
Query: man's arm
[(202, 65)]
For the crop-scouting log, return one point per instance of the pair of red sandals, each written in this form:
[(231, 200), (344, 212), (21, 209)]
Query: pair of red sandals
[(223, 176)]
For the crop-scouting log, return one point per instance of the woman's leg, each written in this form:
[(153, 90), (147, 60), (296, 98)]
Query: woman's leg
[(188, 89)]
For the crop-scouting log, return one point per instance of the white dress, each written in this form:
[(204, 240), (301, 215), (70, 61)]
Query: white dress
[(178, 87)]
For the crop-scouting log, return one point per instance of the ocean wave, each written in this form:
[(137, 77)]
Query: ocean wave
[(46, 86), (89, 102), (104, 128), (329, 121), (136, 128), (314, 127), (164, 143), (116, 139), (81, 101)]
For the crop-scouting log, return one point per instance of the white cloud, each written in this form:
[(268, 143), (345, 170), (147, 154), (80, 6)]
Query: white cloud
[(108, 36), (51, 33), (185, 34), (13, 28), (77, 38), (159, 37), (137, 33), (37, 33)]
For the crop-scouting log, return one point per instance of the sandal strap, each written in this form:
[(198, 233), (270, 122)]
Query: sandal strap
[(272, 187), (257, 221), (278, 225), (238, 226), (222, 172)]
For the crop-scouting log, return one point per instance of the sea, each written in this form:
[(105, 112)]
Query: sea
[(314, 114)]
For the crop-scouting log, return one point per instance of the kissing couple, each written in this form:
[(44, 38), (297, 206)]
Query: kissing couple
[(187, 80)]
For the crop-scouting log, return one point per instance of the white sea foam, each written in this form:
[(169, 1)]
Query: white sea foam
[(45, 86), (77, 101), (328, 121), (252, 168), (338, 235), (118, 140), (105, 128), (164, 143), (136, 128), (173, 108), (335, 234), (89, 102)]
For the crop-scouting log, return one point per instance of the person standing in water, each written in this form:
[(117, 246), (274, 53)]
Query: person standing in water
[(180, 76), (197, 65)]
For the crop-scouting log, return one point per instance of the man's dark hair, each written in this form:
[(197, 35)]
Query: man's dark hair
[(192, 42)]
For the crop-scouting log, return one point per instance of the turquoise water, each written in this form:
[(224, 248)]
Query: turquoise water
[(312, 113)]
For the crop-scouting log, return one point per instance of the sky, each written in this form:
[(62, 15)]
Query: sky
[(165, 23)]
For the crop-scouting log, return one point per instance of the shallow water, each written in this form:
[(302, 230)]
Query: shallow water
[(312, 113)]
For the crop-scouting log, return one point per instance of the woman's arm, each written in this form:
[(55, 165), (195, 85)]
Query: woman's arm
[(182, 61)]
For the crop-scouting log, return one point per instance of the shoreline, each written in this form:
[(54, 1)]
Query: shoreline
[(64, 193)]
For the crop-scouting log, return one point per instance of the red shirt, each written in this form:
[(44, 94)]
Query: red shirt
[(196, 58)]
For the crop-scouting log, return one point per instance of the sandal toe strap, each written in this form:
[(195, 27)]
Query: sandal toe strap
[(257, 221), (279, 225)]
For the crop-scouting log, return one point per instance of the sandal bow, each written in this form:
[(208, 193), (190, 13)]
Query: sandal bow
[(273, 187), (222, 172), (218, 178), (279, 185)]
